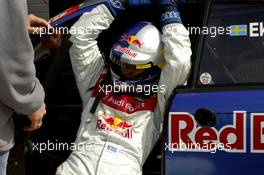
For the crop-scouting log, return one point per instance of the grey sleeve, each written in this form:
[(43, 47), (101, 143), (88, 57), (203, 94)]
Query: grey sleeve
[(19, 87)]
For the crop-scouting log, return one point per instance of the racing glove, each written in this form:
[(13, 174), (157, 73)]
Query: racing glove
[(117, 6), (169, 11)]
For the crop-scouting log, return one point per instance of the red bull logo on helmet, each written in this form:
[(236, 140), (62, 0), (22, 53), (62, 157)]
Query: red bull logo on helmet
[(230, 138), (126, 51), (114, 124), (131, 39)]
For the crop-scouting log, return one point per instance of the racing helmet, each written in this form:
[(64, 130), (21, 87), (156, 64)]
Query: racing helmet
[(140, 46)]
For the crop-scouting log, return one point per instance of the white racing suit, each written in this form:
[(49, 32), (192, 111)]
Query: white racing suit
[(119, 136)]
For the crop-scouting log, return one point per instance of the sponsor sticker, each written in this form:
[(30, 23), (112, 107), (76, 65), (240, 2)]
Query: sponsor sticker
[(132, 40), (115, 124), (205, 78)]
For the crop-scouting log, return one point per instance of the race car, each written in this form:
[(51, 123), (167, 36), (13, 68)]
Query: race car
[(215, 126)]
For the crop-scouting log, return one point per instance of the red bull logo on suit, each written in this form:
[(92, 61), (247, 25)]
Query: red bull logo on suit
[(115, 124)]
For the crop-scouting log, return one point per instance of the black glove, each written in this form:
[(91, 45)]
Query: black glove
[(169, 11)]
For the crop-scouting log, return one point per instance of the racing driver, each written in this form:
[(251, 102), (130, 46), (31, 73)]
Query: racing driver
[(120, 127)]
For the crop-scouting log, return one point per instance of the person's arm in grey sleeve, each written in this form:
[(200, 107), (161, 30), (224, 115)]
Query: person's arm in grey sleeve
[(20, 89)]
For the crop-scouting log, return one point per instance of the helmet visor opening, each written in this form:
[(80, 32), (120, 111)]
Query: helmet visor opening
[(130, 71)]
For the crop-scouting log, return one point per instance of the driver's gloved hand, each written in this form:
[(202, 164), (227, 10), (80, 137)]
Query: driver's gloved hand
[(169, 11), (117, 6)]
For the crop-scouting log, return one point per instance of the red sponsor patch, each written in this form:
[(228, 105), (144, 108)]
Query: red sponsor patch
[(125, 103), (115, 124)]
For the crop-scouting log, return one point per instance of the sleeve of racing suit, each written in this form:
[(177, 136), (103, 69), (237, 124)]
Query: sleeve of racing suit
[(87, 61), (177, 54)]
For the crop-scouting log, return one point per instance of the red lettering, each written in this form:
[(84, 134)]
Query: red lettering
[(183, 130), (98, 124), (182, 124), (237, 130), (103, 126), (258, 133), (124, 133), (205, 134)]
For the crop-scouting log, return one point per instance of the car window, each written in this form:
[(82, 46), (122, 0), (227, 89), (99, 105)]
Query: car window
[(233, 53)]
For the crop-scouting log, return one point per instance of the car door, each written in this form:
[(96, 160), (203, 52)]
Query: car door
[(216, 125)]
